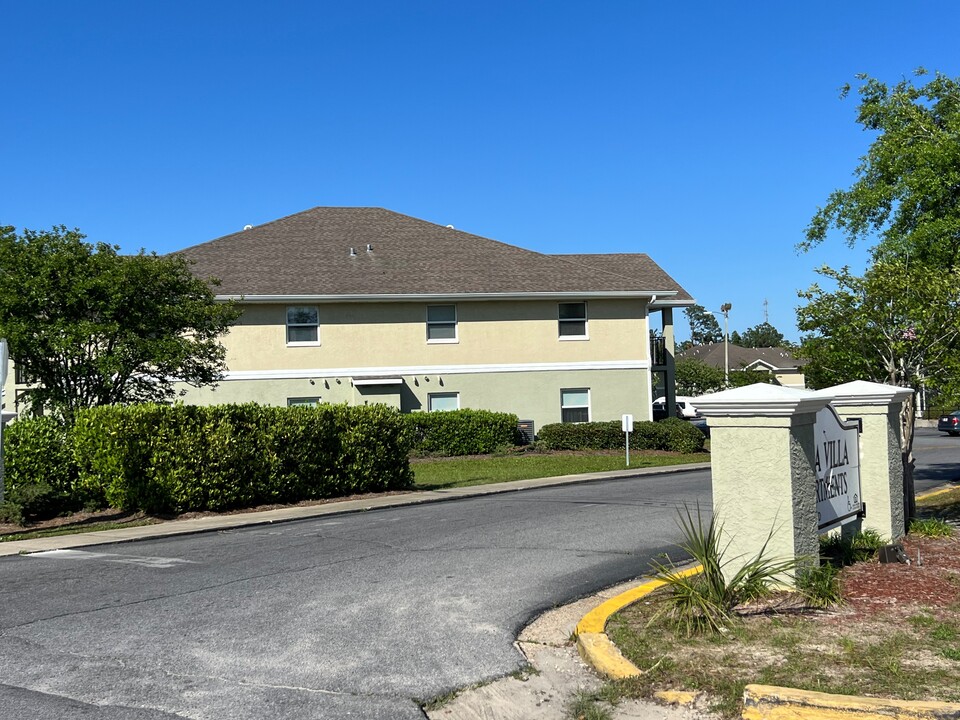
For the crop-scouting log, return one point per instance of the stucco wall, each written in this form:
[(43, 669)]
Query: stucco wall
[(358, 335), (531, 395)]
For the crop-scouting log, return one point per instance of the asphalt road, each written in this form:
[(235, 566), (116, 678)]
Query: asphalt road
[(361, 615), (937, 459)]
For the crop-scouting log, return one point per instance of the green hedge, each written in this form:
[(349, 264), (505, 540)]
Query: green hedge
[(167, 459), (39, 472), (462, 432), (672, 434), (582, 436)]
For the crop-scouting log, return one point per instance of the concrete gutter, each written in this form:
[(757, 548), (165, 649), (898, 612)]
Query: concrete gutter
[(213, 523), (761, 702)]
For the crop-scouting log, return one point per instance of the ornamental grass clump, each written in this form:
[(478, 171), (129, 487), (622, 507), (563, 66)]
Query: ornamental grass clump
[(705, 603), (930, 527)]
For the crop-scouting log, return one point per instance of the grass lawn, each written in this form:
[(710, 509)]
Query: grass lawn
[(435, 474)]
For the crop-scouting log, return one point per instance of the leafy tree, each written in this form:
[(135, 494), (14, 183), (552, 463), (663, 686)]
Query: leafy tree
[(695, 377), (91, 327), (898, 324), (906, 196), (763, 335), (704, 327), (740, 378), (906, 192)]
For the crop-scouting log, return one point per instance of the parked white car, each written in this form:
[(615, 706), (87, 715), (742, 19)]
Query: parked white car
[(687, 410)]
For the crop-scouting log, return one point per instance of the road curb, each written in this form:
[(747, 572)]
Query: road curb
[(218, 523), (594, 645), (765, 701)]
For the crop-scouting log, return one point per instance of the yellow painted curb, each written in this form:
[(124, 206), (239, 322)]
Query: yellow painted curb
[(596, 620), (765, 702), (604, 656), (594, 645), (934, 493), (676, 697)]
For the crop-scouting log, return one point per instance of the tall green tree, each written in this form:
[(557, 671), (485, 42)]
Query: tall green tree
[(763, 335), (704, 327), (88, 326), (897, 324), (695, 377), (907, 189), (906, 197)]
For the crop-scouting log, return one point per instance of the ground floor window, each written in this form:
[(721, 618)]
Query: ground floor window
[(443, 401), (575, 405), (295, 401)]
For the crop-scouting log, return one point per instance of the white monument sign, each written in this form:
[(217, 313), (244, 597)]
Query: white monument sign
[(837, 466)]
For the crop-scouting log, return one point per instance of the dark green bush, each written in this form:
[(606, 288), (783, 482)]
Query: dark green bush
[(462, 432), (165, 459), (681, 436), (582, 436), (39, 472), (671, 434)]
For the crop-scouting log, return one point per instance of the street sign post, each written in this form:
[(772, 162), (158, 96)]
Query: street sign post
[(626, 423)]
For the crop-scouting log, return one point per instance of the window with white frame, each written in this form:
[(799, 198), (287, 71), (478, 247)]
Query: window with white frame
[(441, 323), (437, 402), (303, 325), (302, 401), (575, 405), (572, 320)]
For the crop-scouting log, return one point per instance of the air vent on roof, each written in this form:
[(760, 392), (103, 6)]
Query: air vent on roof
[(369, 248), (451, 227), (247, 227), (353, 253)]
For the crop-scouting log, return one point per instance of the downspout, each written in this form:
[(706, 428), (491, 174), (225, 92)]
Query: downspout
[(649, 412)]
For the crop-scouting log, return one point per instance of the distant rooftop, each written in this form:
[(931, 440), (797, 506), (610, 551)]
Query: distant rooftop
[(743, 358)]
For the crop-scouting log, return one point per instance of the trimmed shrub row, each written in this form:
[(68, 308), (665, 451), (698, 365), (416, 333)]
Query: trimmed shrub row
[(672, 434), (463, 432), (165, 459)]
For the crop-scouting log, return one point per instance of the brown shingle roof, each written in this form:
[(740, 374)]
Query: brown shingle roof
[(309, 254), (741, 357), (635, 265)]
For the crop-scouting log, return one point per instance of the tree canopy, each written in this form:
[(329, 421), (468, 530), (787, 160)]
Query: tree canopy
[(763, 335), (898, 324), (704, 327), (907, 188), (88, 326)]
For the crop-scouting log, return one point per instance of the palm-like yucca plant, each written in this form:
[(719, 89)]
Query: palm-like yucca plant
[(705, 602)]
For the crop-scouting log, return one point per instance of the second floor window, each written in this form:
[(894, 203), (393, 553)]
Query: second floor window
[(573, 320), (441, 323), (303, 325)]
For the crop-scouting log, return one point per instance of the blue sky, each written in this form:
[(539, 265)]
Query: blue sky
[(704, 134)]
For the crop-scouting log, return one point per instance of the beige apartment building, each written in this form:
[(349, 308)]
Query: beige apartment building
[(365, 305)]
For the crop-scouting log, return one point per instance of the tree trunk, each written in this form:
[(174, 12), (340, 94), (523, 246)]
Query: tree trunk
[(907, 423)]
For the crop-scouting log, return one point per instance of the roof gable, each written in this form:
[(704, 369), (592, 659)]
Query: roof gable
[(309, 254), (774, 359)]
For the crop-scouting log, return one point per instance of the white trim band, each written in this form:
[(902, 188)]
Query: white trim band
[(452, 297)]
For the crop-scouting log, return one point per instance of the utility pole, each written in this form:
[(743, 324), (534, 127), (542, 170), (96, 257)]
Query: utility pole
[(725, 309)]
